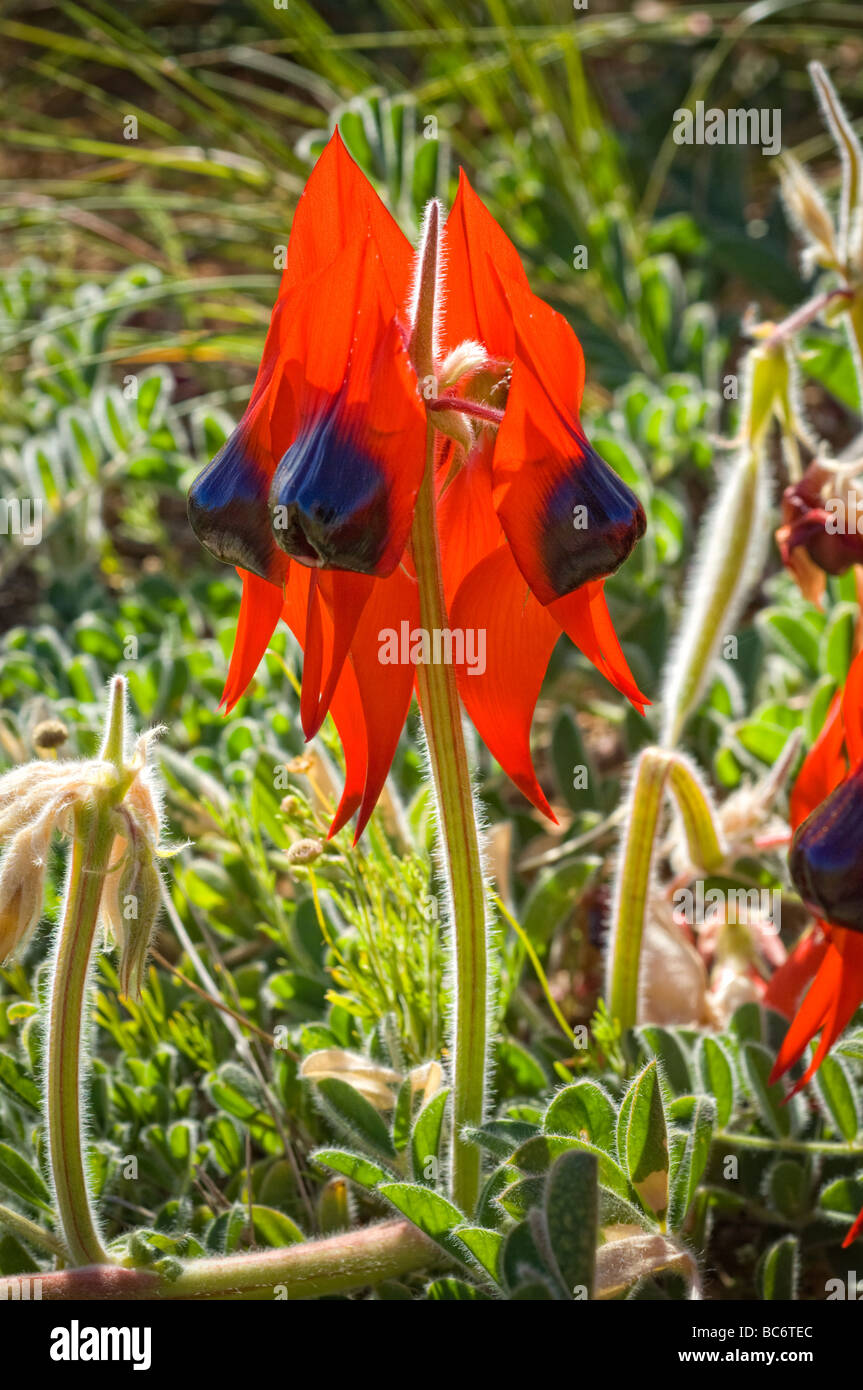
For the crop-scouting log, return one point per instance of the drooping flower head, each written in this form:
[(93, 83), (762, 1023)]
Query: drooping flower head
[(312, 498)]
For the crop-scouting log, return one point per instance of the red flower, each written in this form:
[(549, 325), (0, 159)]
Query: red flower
[(827, 867), (312, 497)]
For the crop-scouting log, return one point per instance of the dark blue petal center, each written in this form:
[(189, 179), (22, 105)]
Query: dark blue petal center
[(826, 859), (228, 507), (590, 524), (329, 500)]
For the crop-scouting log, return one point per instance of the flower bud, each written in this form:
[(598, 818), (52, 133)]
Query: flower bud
[(49, 734), (826, 859), (139, 895), (809, 213), (304, 852)]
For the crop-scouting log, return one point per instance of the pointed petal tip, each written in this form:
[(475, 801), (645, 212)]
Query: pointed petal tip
[(854, 1232)]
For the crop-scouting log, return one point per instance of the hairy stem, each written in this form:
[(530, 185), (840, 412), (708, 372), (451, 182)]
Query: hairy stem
[(92, 838), (314, 1269), (69, 990), (441, 714), (632, 885)]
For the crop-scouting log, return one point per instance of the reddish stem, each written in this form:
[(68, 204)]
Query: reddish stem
[(465, 407)]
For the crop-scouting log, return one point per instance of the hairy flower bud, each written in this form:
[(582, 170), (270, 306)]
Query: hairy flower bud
[(305, 851), (808, 212), (139, 898), (49, 734)]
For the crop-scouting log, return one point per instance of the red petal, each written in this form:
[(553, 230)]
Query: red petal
[(336, 207), (833, 996), (519, 639), (788, 982), (345, 596), (260, 608), (852, 710), (824, 766), (384, 691), (370, 701), (346, 708), (854, 1232), (474, 245), (467, 522), (847, 998), (585, 619)]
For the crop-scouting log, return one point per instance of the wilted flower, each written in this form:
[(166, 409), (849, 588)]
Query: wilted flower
[(41, 799), (814, 538), (377, 1083)]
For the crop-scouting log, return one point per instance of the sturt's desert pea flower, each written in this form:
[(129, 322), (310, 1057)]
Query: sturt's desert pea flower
[(826, 864), (312, 498)]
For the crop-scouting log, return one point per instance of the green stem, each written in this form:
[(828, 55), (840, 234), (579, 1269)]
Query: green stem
[(92, 839), (441, 712), (633, 885), (790, 1146), (855, 324), (313, 1269), (90, 854)]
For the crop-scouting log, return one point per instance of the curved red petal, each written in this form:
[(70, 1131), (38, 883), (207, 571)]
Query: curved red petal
[(467, 522), (495, 603), (846, 999), (474, 244), (852, 709), (788, 982), (346, 707), (260, 609), (335, 208), (585, 619), (370, 701), (385, 690), (824, 766), (345, 596), (810, 1016), (854, 1232)]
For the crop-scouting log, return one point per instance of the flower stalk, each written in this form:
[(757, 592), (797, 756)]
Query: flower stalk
[(69, 992), (92, 840), (459, 840), (313, 1269)]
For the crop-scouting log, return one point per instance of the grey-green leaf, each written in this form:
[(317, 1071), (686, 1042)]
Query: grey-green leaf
[(572, 1213), (778, 1270)]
